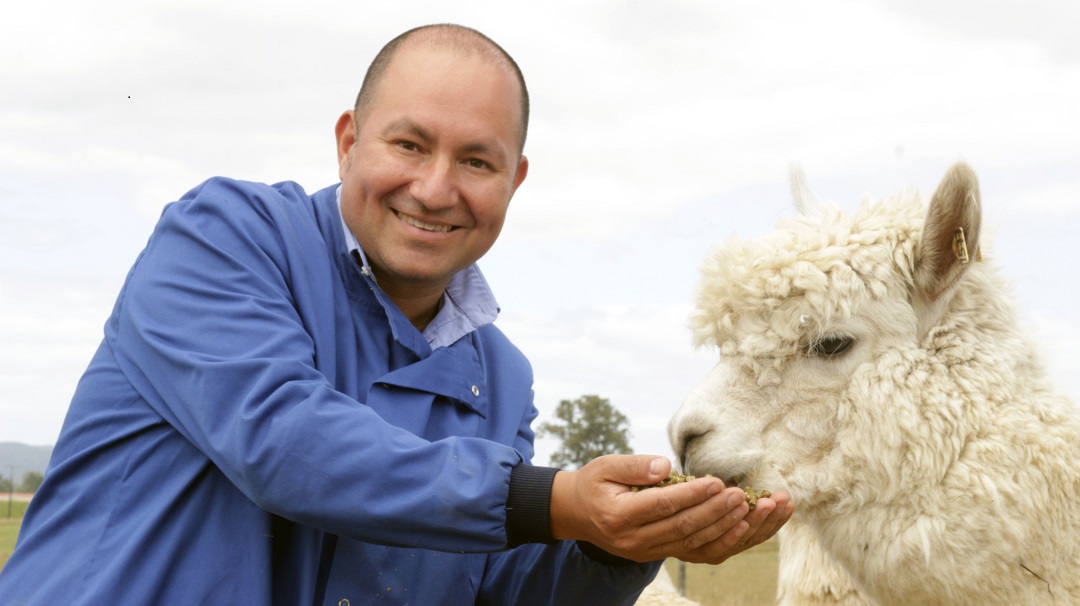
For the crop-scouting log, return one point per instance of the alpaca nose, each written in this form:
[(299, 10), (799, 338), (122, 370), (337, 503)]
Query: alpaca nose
[(683, 449), (680, 433)]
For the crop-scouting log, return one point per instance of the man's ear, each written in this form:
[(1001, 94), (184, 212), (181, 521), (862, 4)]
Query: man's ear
[(345, 131), (519, 176)]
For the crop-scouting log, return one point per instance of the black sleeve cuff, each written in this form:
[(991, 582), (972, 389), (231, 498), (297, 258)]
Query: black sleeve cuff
[(528, 506), (528, 513)]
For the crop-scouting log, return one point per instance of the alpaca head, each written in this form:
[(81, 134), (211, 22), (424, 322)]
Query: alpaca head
[(797, 316)]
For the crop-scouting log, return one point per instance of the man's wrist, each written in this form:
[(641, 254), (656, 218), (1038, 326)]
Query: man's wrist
[(528, 505)]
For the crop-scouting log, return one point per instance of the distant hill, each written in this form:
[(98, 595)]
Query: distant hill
[(24, 458)]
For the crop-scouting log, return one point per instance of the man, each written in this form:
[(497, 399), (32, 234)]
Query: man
[(302, 399)]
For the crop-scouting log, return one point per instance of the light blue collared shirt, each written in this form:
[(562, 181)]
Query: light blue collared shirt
[(467, 304)]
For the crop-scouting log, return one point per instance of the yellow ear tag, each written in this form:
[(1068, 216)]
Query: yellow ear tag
[(959, 245)]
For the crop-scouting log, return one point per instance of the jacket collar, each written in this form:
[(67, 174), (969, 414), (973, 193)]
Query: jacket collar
[(467, 304)]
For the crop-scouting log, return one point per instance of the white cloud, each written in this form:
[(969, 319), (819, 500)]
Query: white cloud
[(1048, 25), (637, 356), (659, 129), (49, 329), (728, 97)]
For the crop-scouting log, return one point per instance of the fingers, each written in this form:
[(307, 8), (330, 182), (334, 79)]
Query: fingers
[(714, 519), (767, 518), (689, 526), (658, 504), (760, 525), (696, 521), (632, 470)]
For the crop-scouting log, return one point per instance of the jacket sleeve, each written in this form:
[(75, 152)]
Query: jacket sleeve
[(559, 573), (208, 331), (542, 571)]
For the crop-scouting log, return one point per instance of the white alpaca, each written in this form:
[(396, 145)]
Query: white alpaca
[(662, 592), (872, 366)]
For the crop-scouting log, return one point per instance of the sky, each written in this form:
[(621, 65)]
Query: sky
[(659, 129)]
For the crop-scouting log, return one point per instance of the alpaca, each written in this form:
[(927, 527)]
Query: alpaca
[(871, 365), (662, 592)]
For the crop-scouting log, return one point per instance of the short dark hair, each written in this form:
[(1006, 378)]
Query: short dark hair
[(447, 35)]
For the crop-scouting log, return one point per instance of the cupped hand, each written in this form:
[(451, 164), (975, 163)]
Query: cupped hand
[(697, 521), (759, 525)]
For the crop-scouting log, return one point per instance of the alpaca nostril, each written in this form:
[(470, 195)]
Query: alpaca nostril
[(686, 442)]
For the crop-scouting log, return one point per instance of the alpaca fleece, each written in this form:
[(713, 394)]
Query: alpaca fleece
[(885, 383)]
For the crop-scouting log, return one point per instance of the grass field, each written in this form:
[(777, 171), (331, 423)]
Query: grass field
[(9, 527), (748, 579)]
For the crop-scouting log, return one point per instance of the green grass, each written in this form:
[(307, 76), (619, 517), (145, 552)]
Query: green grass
[(748, 579), (9, 527), (17, 509)]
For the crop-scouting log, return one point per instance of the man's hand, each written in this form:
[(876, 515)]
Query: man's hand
[(699, 521)]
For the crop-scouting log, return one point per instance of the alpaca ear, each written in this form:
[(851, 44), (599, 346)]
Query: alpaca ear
[(950, 238), (806, 202)]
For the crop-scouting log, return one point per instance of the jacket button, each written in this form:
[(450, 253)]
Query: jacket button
[(475, 391), (343, 602)]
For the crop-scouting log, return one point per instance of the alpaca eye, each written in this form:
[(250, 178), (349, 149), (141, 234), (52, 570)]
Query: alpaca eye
[(830, 346)]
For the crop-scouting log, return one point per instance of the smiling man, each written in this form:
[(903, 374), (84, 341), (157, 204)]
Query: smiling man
[(429, 161), (302, 399)]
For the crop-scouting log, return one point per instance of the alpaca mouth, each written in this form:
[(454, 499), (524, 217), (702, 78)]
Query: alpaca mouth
[(734, 480), (729, 479), (730, 472)]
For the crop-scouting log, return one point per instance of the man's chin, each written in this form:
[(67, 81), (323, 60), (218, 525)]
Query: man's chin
[(416, 276)]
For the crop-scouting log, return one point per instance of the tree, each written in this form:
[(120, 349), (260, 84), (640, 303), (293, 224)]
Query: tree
[(31, 481), (588, 427)]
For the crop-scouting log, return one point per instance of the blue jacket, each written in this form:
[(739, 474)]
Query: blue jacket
[(261, 425)]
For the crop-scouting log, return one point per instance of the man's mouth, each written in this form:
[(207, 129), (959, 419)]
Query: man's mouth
[(420, 224)]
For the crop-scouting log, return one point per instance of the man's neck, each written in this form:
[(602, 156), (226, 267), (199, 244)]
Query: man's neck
[(419, 304)]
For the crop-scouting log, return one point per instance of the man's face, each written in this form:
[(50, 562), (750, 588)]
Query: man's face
[(427, 178)]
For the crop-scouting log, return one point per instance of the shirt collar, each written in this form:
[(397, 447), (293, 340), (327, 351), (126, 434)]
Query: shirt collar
[(467, 304)]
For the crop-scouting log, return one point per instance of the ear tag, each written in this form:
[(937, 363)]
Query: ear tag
[(959, 245)]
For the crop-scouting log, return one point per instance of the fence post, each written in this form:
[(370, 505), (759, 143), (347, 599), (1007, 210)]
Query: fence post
[(682, 578)]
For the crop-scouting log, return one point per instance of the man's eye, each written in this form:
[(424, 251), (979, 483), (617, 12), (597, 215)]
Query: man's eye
[(831, 346), (475, 163), (408, 145)]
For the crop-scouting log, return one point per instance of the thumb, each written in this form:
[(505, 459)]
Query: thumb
[(638, 470)]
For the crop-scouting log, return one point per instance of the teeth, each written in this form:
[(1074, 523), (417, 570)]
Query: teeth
[(424, 226)]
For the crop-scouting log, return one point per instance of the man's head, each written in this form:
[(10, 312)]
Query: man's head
[(432, 156), (453, 37)]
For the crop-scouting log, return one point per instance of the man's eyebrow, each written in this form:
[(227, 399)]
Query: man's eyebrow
[(404, 124), (480, 146)]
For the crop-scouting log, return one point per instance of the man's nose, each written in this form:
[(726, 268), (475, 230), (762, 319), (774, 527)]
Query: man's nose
[(434, 184)]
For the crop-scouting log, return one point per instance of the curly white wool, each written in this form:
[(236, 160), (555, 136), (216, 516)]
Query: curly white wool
[(662, 592)]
